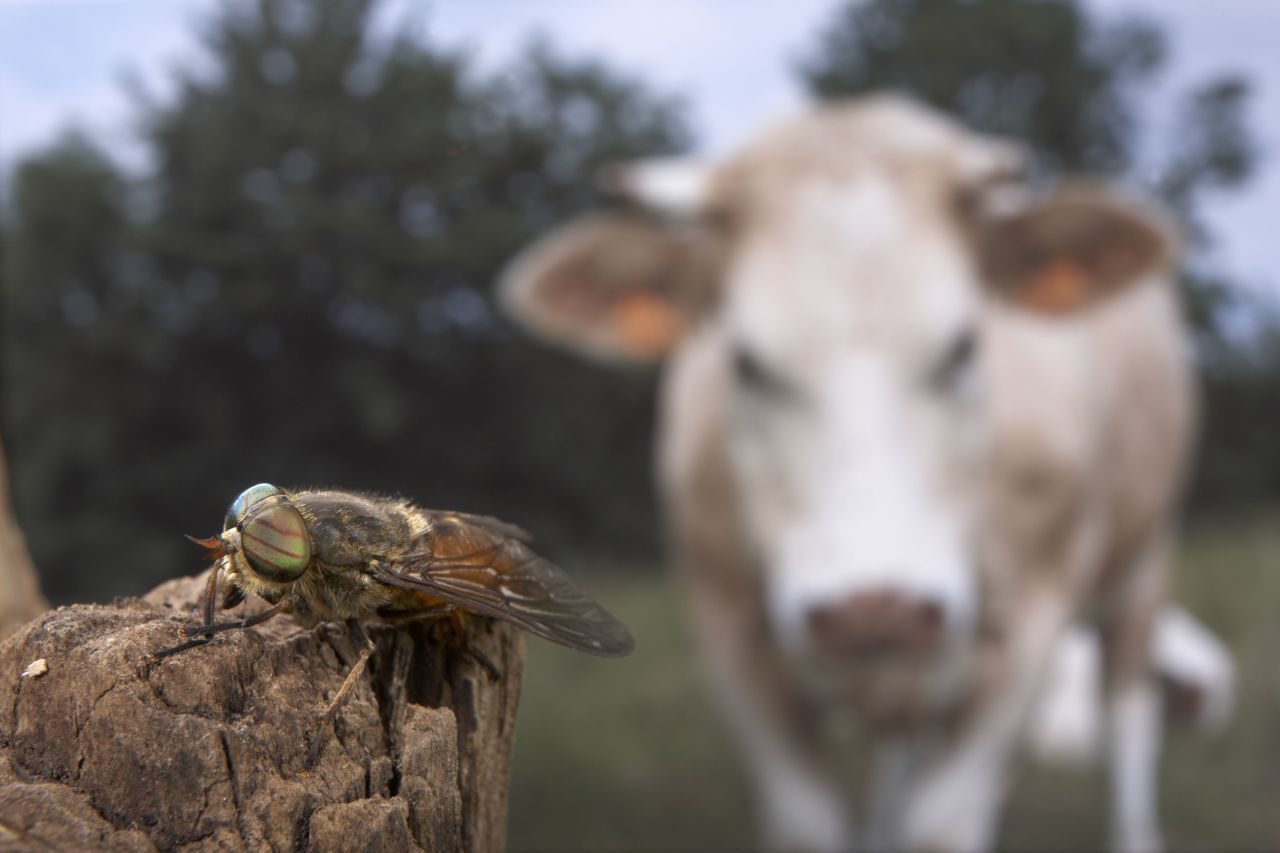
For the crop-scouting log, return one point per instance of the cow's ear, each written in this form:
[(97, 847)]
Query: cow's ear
[(614, 287), (1072, 248)]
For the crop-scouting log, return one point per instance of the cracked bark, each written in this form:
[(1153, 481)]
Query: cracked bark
[(20, 598), (208, 749)]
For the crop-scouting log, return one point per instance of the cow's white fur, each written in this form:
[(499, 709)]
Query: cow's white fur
[(1134, 755), (676, 186), (1013, 496), (1067, 725), (850, 505), (1187, 653)]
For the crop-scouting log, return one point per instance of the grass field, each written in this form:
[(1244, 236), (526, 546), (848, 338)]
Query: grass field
[(626, 755)]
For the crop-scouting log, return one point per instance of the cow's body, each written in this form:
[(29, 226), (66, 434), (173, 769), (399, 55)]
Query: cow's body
[(892, 491), (1132, 461)]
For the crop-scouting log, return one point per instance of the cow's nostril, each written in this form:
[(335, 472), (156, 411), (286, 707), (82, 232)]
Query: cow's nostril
[(824, 622), (876, 622), (929, 615)]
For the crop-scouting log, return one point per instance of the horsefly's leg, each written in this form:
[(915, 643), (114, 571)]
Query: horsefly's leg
[(330, 714), (181, 647), (274, 610), (470, 651), (485, 662), (356, 669), (209, 630), (456, 619), (211, 593)]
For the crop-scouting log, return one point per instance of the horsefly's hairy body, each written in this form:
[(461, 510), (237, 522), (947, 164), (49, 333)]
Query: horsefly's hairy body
[(330, 556)]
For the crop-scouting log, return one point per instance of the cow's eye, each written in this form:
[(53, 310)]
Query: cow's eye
[(757, 377), (955, 361)]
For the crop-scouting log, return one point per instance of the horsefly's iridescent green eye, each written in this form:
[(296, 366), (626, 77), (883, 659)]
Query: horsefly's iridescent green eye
[(246, 499), (273, 538)]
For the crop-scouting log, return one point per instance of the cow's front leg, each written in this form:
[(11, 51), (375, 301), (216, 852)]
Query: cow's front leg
[(800, 807), (956, 803), (1134, 712), (1134, 730)]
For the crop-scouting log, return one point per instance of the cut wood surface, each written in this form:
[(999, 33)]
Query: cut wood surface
[(209, 749), (20, 598)]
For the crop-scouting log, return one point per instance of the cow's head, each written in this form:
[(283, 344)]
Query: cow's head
[(845, 262)]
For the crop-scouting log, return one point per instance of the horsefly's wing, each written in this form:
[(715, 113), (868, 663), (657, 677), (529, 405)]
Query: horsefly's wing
[(479, 566)]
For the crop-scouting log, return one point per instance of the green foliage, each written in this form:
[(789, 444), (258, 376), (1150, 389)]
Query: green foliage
[(1242, 409), (1044, 71), (298, 292), (1040, 71)]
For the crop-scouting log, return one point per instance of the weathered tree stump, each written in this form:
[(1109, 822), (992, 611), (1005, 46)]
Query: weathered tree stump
[(209, 749), (20, 598)]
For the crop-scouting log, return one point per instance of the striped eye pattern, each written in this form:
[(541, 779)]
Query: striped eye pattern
[(274, 540), (273, 535)]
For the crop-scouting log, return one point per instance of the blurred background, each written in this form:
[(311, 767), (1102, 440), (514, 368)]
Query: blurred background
[(257, 241)]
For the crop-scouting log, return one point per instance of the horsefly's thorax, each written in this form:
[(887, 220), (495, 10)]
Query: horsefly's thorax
[(351, 530), (345, 534)]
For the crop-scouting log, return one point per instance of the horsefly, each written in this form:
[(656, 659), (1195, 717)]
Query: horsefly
[(328, 556)]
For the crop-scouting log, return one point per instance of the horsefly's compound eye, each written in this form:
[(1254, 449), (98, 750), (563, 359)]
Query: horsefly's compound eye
[(274, 540), (245, 500)]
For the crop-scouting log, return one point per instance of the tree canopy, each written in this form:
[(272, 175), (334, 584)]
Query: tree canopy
[(297, 291)]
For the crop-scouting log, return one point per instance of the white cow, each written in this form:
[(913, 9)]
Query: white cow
[(914, 425)]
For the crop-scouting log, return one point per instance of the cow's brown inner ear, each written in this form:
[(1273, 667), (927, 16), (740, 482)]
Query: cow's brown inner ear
[(1070, 251), (614, 286), (1058, 286), (648, 326)]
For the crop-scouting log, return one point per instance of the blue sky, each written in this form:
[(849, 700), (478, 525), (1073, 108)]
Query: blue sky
[(62, 63)]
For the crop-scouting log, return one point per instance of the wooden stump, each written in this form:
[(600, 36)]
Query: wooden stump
[(20, 598), (209, 749)]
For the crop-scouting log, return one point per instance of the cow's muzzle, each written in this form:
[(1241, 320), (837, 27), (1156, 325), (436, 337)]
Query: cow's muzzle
[(877, 622)]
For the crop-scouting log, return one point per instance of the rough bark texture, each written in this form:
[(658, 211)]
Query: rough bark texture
[(20, 598), (208, 749)]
